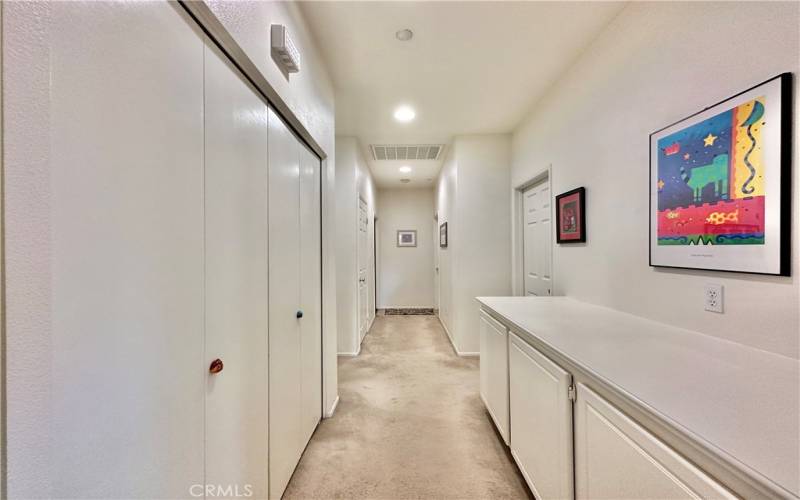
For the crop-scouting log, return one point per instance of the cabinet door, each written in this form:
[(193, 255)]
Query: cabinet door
[(616, 458), (310, 293), (494, 371), (541, 421), (236, 279), (285, 372)]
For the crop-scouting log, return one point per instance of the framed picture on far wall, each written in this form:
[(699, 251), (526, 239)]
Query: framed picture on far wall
[(407, 238), (720, 185), (571, 216), (443, 235)]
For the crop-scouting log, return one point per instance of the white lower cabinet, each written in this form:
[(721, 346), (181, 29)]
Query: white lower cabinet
[(617, 458), (541, 420), (494, 371), (533, 402)]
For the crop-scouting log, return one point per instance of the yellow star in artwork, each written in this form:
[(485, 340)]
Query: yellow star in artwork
[(660, 184), (709, 140)]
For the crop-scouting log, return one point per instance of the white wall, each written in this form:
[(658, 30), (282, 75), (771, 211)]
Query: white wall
[(446, 213), (2, 280), (310, 96), (353, 182), (655, 64), (405, 274), (484, 235), (474, 199)]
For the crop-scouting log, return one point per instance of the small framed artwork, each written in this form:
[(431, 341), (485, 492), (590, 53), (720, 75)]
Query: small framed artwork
[(720, 185), (406, 238), (443, 235), (571, 216)]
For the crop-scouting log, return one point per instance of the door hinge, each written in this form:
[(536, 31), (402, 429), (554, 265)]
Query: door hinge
[(571, 393)]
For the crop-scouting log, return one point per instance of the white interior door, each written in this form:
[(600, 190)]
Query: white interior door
[(236, 279), (310, 293), (363, 269), (285, 365), (537, 239)]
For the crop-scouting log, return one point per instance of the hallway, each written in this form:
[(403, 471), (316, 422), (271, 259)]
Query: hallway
[(410, 424)]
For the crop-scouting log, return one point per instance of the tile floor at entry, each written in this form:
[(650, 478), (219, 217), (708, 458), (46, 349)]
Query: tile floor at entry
[(410, 424)]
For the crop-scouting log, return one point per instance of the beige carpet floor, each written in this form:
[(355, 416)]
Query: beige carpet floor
[(410, 424)]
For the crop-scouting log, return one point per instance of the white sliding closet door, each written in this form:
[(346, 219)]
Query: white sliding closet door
[(310, 292), (285, 365), (236, 280), (295, 302), (104, 249)]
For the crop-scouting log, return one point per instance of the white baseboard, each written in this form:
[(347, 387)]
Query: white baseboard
[(351, 354), (329, 413), (453, 344), (449, 336)]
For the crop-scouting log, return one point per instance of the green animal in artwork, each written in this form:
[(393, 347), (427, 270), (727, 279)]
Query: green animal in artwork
[(715, 173)]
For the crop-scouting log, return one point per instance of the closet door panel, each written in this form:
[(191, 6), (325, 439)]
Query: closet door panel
[(235, 280), (285, 366), (120, 313), (311, 290)]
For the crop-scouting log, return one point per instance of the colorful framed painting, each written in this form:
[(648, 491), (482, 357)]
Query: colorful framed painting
[(407, 238), (720, 185), (443, 235), (571, 216)]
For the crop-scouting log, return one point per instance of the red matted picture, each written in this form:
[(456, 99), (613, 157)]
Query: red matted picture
[(571, 216)]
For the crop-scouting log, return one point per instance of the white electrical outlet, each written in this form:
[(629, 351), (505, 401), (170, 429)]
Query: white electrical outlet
[(713, 298)]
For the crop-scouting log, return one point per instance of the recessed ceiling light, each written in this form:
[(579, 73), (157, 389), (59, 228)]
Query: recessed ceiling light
[(404, 114), (405, 169), (404, 35)]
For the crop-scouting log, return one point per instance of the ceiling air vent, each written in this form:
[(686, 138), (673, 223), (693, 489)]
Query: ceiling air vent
[(406, 151)]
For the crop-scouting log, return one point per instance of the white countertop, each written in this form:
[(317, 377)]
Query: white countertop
[(740, 401)]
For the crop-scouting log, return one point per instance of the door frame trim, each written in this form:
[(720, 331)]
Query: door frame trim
[(518, 230)]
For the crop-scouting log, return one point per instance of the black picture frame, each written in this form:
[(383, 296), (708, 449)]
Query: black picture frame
[(581, 222), (443, 235), (784, 190)]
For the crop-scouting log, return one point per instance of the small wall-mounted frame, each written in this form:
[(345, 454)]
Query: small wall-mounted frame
[(407, 238), (443, 235), (571, 216)]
